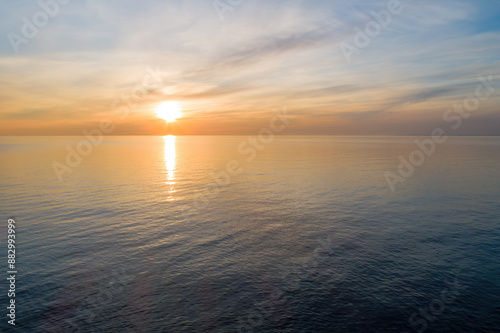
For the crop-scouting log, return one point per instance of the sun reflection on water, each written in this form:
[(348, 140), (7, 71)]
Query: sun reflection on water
[(170, 159)]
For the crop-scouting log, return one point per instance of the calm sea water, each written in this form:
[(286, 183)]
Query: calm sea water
[(140, 237)]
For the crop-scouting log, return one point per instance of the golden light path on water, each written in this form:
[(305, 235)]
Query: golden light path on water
[(170, 159)]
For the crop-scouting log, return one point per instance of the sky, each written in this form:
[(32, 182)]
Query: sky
[(231, 64)]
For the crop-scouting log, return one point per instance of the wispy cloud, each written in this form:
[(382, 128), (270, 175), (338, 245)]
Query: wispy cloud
[(265, 54)]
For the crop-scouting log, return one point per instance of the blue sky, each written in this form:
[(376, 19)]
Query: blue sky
[(230, 74)]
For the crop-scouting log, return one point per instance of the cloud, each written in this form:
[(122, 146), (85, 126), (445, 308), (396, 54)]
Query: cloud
[(266, 54)]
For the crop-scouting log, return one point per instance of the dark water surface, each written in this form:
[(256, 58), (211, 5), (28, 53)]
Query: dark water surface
[(151, 234)]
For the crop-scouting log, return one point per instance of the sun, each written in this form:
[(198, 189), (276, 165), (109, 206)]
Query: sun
[(169, 111)]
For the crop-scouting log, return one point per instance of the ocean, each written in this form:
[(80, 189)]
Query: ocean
[(226, 234)]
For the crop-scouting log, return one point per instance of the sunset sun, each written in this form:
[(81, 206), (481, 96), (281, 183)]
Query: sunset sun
[(169, 111)]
